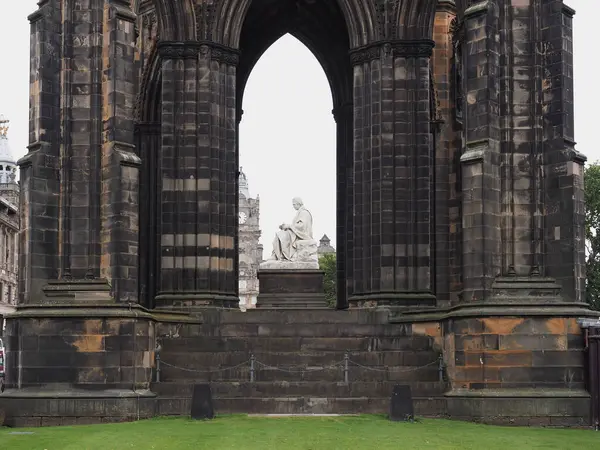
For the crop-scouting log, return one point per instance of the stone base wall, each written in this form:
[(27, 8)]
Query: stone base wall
[(34, 409), (79, 348), (515, 353), (504, 370), (548, 408), (77, 364)]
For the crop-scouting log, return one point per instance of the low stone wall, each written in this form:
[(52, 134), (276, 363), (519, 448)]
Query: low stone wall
[(98, 365), (78, 365)]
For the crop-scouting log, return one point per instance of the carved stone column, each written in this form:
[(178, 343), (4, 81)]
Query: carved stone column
[(481, 155), (39, 180), (79, 212), (514, 339), (392, 164), (343, 115), (120, 162), (148, 143), (199, 176), (446, 150), (560, 247)]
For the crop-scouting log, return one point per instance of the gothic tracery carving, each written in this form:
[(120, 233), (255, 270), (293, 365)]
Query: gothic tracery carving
[(386, 12), (205, 11), (436, 113), (145, 81), (404, 49), (456, 31)]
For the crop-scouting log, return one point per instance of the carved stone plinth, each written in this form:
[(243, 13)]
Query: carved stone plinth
[(78, 363), (291, 289)]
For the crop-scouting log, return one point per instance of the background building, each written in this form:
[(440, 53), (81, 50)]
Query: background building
[(325, 246), (250, 251), (9, 222)]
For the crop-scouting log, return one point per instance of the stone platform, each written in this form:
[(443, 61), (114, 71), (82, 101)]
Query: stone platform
[(495, 369), (291, 289)]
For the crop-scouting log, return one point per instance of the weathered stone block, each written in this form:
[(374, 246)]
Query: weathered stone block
[(297, 289)]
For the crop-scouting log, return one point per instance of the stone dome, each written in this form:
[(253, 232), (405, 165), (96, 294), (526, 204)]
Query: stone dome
[(8, 166)]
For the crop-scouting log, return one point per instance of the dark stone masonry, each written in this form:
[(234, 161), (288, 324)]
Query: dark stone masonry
[(460, 215)]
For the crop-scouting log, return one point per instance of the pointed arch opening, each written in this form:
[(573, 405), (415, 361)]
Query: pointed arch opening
[(294, 63), (287, 149)]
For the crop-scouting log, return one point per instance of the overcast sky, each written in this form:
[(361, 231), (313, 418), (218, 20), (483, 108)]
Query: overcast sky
[(287, 136)]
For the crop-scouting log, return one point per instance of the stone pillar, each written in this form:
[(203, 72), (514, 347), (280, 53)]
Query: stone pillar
[(148, 142), (80, 116), (560, 247), (481, 153), (343, 115), (513, 345), (78, 328), (39, 180), (392, 163), (446, 224), (199, 172), (67, 160), (119, 161)]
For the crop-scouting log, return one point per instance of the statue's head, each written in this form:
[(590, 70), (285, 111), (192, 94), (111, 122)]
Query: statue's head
[(297, 202)]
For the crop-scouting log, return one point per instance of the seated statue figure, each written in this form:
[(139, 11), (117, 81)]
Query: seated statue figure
[(294, 242)]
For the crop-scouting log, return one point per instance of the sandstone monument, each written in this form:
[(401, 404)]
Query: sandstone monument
[(460, 214)]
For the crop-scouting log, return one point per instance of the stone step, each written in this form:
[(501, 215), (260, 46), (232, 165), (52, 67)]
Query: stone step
[(401, 358), (291, 304), (315, 373), (288, 329), (300, 389), (294, 343), (424, 407), (306, 316), (319, 330)]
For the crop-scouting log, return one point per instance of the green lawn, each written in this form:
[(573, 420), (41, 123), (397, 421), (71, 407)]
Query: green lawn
[(353, 433)]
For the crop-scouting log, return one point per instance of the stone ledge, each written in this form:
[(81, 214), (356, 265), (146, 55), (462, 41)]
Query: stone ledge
[(519, 393), (476, 9), (288, 266), (34, 411), (391, 300), (195, 301), (565, 309), (535, 407), (67, 393), (61, 310)]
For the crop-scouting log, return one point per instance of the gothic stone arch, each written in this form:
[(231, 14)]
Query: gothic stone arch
[(468, 230), (367, 52)]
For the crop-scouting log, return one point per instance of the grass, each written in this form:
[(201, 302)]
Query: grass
[(242, 432)]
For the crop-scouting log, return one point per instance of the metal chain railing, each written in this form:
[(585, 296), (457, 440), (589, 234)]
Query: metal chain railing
[(254, 364)]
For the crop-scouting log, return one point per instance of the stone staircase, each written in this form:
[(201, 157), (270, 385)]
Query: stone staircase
[(300, 367)]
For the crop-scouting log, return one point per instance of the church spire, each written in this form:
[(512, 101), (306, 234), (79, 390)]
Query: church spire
[(243, 184)]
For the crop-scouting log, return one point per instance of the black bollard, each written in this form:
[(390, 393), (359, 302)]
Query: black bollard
[(401, 404), (202, 404)]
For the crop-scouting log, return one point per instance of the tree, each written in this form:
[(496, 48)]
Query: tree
[(328, 264), (592, 233)]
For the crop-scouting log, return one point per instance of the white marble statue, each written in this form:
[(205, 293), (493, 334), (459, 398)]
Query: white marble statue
[(294, 246)]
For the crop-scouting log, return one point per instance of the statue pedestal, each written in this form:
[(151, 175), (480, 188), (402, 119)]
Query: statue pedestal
[(291, 289)]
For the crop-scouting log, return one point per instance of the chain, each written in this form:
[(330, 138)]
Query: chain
[(304, 369), (204, 371), (317, 369), (394, 369)]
